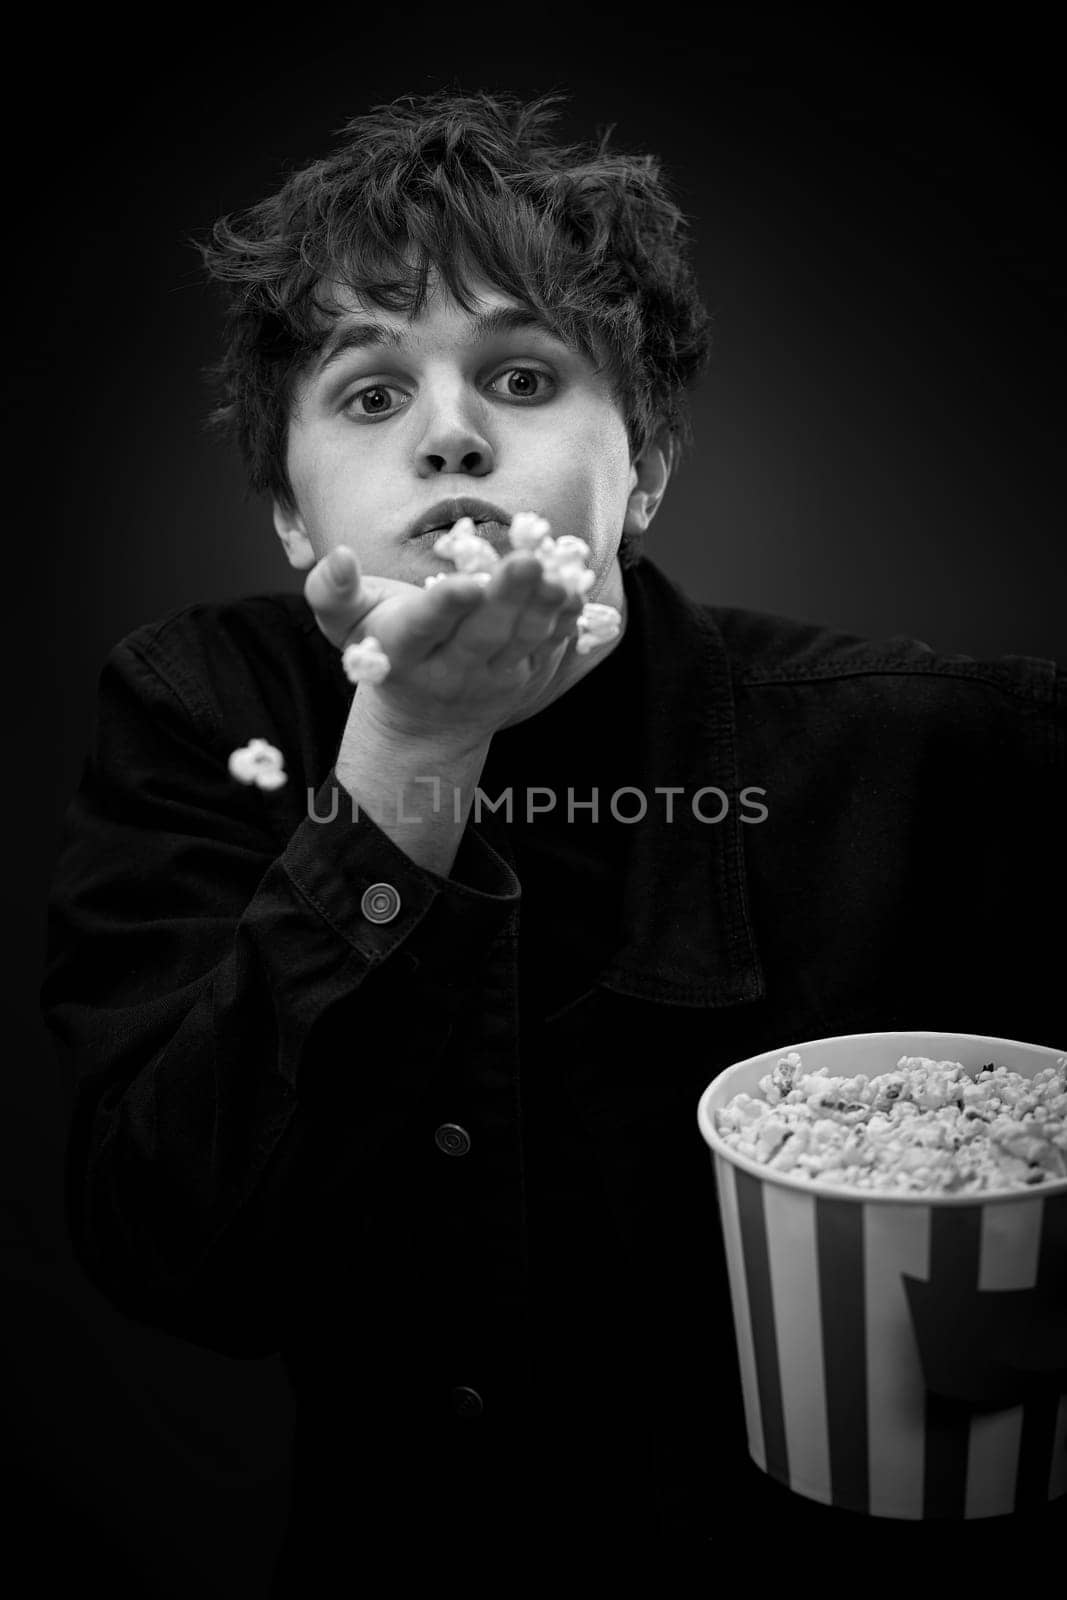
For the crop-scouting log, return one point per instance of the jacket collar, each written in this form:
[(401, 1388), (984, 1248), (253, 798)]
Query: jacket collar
[(688, 937)]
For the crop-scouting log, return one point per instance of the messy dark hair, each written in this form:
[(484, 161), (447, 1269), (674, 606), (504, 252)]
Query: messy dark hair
[(470, 186)]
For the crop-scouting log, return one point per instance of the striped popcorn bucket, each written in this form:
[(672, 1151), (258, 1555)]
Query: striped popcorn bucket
[(901, 1355)]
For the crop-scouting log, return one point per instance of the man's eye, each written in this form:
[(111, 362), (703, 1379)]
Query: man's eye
[(526, 383), (523, 383), (372, 401)]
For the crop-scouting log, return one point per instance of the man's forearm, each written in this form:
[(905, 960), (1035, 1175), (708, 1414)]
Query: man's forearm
[(419, 791)]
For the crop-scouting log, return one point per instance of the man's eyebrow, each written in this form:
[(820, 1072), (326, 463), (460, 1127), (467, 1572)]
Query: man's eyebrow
[(488, 325)]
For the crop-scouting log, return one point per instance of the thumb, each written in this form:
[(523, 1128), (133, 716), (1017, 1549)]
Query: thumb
[(334, 591), (342, 568)]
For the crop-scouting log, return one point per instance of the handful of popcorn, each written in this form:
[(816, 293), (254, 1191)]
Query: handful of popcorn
[(365, 661), (562, 559), (927, 1127)]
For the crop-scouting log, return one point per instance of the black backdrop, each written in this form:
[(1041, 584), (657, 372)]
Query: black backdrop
[(878, 219)]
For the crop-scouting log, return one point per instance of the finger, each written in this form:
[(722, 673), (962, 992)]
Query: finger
[(550, 615), (511, 592), (564, 631), (335, 592), (442, 608)]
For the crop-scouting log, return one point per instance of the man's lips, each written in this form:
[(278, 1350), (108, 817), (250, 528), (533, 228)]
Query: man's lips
[(495, 533), (446, 513)]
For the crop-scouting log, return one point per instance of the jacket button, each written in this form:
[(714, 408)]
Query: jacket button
[(452, 1139), (380, 903), (467, 1402)]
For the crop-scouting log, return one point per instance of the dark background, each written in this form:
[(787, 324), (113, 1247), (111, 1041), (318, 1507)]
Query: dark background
[(877, 212)]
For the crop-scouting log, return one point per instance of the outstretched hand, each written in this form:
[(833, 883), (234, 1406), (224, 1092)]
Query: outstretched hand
[(463, 654)]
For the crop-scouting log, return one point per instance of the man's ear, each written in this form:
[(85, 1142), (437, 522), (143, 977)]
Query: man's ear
[(289, 526), (650, 474)]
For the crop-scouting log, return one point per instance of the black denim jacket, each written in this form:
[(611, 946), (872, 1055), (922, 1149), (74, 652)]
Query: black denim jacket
[(301, 1130)]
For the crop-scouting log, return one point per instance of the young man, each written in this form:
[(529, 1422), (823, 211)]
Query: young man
[(393, 1068)]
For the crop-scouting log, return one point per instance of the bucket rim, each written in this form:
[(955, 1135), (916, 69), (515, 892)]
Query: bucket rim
[(813, 1187)]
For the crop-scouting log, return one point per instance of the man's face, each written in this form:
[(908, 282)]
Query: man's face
[(383, 430)]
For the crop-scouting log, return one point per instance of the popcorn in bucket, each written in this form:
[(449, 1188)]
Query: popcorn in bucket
[(894, 1210)]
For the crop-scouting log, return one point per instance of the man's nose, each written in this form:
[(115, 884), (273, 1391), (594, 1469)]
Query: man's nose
[(454, 441)]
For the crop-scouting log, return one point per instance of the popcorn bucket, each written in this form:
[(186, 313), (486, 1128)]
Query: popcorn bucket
[(901, 1355)]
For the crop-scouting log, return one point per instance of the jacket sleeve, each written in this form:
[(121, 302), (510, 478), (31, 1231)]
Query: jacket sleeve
[(219, 1004)]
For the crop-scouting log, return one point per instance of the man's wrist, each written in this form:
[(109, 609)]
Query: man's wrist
[(438, 744)]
